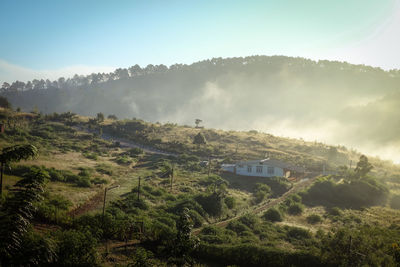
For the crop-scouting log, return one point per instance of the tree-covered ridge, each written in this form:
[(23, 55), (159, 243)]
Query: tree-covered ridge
[(215, 63), (287, 96)]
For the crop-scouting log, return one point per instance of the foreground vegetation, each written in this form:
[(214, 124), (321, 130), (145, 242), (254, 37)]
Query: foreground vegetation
[(51, 207)]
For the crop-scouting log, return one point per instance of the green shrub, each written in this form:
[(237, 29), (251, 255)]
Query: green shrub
[(75, 248), (237, 226), (249, 219), (89, 155), (335, 211), (298, 233), (350, 194), (83, 181), (230, 202), (196, 218), (19, 170), (210, 230), (56, 175), (213, 239), (295, 198), (186, 202), (123, 160), (273, 215), (313, 219), (104, 169), (295, 209), (212, 203), (261, 192)]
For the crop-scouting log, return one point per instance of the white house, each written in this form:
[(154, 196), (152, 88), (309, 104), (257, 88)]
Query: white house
[(261, 168)]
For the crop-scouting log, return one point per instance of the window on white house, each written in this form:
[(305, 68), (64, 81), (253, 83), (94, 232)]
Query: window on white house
[(248, 168), (271, 170), (259, 169)]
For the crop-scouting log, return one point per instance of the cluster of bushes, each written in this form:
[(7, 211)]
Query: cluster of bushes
[(278, 186), (292, 205), (82, 179), (90, 155), (104, 169), (261, 192), (350, 194), (53, 209), (123, 160), (273, 215)]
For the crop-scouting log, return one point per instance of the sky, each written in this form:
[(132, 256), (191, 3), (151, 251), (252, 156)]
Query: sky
[(49, 39)]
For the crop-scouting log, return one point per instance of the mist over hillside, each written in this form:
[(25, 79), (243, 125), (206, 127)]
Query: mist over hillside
[(335, 102)]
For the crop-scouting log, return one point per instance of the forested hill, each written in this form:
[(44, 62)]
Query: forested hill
[(282, 95)]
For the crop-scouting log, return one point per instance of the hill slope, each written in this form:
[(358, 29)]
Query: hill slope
[(331, 101)]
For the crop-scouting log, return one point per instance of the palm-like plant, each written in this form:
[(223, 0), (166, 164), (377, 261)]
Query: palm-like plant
[(16, 215), (15, 154)]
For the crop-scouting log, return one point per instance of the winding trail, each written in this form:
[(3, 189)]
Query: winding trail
[(128, 143)]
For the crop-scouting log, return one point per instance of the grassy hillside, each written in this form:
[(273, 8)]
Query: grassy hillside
[(81, 156)]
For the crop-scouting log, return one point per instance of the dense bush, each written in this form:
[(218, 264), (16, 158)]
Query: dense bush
[(82, 179), (178, 206), (123, 160), (370, 246), (273, 215), (261, 192), (298, 233), (295, 209), (197, 219), (350, 194), (53, 209), (313, 219), (90, 155), (249, 219), (237, 226), (230, 202), (212, 203), (335, 211), (75, 248), (104, 169)]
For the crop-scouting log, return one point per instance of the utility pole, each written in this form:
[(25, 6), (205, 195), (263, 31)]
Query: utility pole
[(104, 209), (104, 200), (138, 191)]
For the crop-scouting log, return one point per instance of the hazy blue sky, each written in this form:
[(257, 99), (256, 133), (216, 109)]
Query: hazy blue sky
[(52, 38)]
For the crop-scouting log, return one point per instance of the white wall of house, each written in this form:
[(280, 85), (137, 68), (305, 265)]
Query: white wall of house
[(228, 167), (259, 170)]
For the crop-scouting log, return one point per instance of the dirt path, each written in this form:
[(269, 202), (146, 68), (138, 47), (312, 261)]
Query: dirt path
[(296, 188), (128, 143), (89, 205)]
